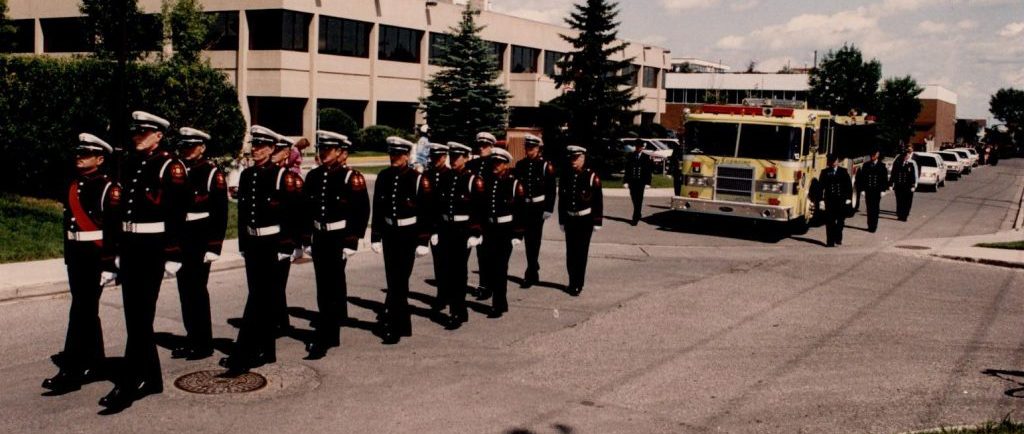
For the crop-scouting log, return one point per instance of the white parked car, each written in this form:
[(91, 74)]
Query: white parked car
[(972, 155), (954, 164), (968, 159), (931, 170), (660, 150)]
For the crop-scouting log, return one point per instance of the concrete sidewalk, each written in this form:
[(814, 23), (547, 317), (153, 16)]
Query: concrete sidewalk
[(963, 249)]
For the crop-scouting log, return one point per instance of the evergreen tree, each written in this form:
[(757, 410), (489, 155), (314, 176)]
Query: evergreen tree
[(599, 96), (844, 81), (6, 29), (465, 97), (898, 109)]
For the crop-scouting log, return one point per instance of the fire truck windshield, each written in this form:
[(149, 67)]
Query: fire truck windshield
[(711, 138), (769, 142)]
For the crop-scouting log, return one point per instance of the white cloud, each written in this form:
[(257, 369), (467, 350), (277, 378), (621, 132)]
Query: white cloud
[(1014, 78), (1012, 29), (967, 24), (547, 11), (659, 40), (740, 6), (679, 5), (930, 27), (731, 42)]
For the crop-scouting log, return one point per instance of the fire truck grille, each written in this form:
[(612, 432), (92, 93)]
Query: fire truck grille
[(735, 183)]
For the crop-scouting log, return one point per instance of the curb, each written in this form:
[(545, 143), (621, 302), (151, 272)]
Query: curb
[(1020, 212), (983, 261)]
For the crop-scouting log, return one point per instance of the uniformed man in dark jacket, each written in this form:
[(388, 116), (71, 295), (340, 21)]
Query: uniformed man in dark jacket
[(92, 225), (155, 189), (205, 225), (638, 176), (460, 213), (271, 227), (580, 214), (437, 168), (504, 200), (401, 230), (338, 206), (837, 194), (480, 165), (281, 158), (873, 181), (904, 184), (538, 178)]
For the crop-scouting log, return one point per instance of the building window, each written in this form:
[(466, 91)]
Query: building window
[(651, 77), (551, 59), (283, 115), (524, 59), (631, 71), (23, 40), (65, 35), (223, 34), (399, 44), (498, 50), (343, 37), (438, 45), (278, 29), (151, 32)]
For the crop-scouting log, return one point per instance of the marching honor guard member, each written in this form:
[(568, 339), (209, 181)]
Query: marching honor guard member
[(873, 181), (339, 207), (502, 227), (205, 225), (837, 189), (460, 203), (401, 230), (153, 218), (638, 175), (538, 178), (480, 165), (437, 168), (904, 184), (580, 214), (270, 227), (92, 225)]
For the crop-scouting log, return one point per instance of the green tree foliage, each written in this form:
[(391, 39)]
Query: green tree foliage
[(1007, 105), (6, 29), (188, 28), (465, 97), (599, 98), (105, 20), (374, 138), (844, 82), (47, 102), (898, 109), (332, 119)]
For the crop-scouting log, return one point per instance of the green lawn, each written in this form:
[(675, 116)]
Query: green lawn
[(1014, 245), (657, 181), (1005, 427), (370, 170)]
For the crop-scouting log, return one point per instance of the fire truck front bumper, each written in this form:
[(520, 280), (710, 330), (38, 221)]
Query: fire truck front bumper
[(736, 209)]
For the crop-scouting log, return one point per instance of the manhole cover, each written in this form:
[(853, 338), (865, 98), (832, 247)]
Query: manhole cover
[(914, 247), (215, 383)]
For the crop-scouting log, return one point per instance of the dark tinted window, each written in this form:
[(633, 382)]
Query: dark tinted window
[(769, 142), (438, 44), (551, 59), (498, 50), (64, 35), (948, 157), (524, 59), (399, 44), (283, 115), (925, 161), (651, 77), (631, 71), (23, 40), (711, 138), (278, 29), (824, 138), (152, 32), (345, 37), (224, 33), (854, 141)]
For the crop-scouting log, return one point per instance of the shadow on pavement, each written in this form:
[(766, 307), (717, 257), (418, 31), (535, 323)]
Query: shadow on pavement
[(1015, 377), (728, 227)]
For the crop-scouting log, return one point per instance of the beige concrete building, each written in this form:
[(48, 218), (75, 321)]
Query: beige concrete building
[(288, 58)]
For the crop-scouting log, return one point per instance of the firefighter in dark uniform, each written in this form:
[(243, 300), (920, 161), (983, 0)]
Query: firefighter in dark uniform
[(873, 181), (904, 183), (460, 205), (503, 229), (580, 214), (338, 205), (270, 231), (92, 226), (638, 175), (205, 225), (480, 165), (401, 230), (437, 168), (154, 203), (837, 191), (538, 178)]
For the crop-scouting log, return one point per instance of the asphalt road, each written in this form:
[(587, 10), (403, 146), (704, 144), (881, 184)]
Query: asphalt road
[(682, 327)]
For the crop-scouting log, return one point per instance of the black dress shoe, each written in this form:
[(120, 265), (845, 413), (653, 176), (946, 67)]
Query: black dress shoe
[(119, 398), (453, 323), (483, 294), (180, 352), (198, 353), (496, 313), (528, 282), (234, 364), (389, 337), (64, 381), (316, 350)]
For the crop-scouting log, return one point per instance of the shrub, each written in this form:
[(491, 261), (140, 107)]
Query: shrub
[(374, 138), (332, 119)]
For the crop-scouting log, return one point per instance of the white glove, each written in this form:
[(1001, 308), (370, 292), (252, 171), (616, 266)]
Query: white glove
[(283, 257), (597, 228), (209, 257), (308, 251), (422, 251), (849, 202), (107, 278), (646, 187), (547, 215), (885, 192), (516, 242), (171, 268), (377, 247), (242, 254), (474, 241), (347, 253), (117, 262), (297, 254), (913, 189), (433, 240), (562, 227)]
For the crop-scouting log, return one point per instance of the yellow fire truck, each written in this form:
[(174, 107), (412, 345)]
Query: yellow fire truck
[(761, 159)]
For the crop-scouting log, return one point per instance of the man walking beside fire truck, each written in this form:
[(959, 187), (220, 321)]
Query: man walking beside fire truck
[(873, 181), (837, 189)]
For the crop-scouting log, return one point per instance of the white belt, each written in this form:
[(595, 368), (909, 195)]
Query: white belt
[(502, 219), (264, 231), (580, 213), (401, 222), (85, 236), (143, 228), (193, 216), (535, 199), (329, 227), (455, 218)]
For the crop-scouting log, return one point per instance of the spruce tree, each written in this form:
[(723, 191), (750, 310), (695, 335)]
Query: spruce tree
[(599, 96), (465, 97)]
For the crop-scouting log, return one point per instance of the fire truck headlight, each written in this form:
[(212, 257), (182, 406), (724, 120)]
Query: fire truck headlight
[(771, 187), (697, 181)]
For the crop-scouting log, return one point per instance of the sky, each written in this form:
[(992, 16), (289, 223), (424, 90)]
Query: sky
[(972, 47)]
